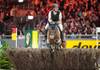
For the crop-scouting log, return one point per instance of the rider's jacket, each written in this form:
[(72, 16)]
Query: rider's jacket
[(55, 17)]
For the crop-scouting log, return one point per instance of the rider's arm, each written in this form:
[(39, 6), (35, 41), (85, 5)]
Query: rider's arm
[(60, 18), (49, 17)]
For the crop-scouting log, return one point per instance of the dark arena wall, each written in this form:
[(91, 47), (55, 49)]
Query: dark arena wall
[(62, 59)]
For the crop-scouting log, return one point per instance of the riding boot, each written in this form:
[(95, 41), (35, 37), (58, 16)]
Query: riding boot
[(62, 36), (45, 33)]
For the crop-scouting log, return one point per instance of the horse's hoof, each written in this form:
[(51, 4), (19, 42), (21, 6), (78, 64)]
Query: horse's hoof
[(52, 51)]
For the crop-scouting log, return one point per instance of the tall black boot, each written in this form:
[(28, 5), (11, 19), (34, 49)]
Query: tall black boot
[(45, 34), (62, 36)]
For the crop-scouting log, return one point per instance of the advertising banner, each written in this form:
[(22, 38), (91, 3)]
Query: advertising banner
[(28, 38), (35, 39), (31, 39), (14, 34), (83, 44)]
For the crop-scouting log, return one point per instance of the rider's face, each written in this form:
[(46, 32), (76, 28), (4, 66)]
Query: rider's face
[(56, 9)]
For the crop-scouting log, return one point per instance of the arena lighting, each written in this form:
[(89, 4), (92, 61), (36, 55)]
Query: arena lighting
[(30, 17), (20, 1)]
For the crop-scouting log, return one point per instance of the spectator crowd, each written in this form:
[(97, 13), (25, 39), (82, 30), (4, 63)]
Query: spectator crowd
[(79, 16)]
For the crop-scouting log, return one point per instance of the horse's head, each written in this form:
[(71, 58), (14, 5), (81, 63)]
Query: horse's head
[(53, 34), (52, 30)]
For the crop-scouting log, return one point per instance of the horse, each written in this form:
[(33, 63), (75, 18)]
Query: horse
[(54, 37)]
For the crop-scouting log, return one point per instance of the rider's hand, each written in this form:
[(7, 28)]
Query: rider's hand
[(52, 22)]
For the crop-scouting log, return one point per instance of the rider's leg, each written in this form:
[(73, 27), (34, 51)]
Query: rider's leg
[(62, 33), (46, 29)]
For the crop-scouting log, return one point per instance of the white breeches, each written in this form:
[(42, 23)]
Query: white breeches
[(60, 26)]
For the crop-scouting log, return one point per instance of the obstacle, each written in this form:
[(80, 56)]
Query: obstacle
[(62, 59)]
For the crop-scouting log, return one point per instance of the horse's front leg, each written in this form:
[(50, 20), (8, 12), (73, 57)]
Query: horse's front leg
[(58, 38)]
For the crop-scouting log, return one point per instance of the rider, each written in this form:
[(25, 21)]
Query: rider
[(55, 16)]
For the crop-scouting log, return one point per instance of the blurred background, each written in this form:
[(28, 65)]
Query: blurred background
[(79, 16)]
